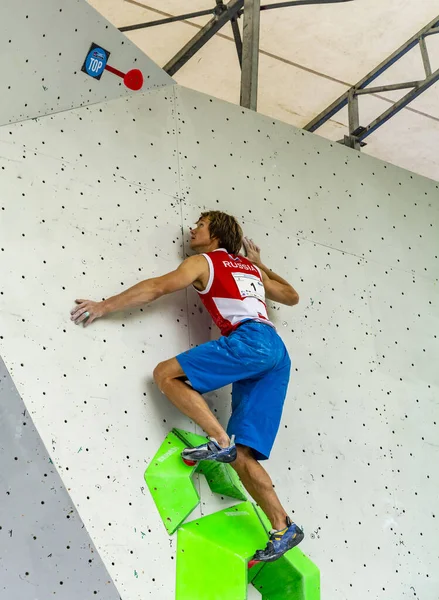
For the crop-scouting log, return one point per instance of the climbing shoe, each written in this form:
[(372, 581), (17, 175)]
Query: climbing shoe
[(280, 542), (210, 451)]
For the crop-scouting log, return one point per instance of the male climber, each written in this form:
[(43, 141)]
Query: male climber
[(250, 354)]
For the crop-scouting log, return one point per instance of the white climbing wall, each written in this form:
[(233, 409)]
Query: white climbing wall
[(95, 199), (43, 46)]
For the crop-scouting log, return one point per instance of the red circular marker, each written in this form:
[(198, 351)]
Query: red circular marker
[(133, 79)]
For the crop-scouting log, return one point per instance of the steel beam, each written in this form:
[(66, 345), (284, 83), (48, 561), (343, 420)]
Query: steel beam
[(204, 35), (432, 31), (354, 115), (388, 88), (354, 122), (343, 99), (237, 37), (393, 110), (425, 57), (250, 54)]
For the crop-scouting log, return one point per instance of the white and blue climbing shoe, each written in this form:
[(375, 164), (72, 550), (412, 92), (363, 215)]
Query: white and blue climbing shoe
[(210, 451), (280, 542)]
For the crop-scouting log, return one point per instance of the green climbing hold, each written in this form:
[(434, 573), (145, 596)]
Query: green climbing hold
[(224, 542), (213, 552), (222, 479), (293, 576), (169, 481)]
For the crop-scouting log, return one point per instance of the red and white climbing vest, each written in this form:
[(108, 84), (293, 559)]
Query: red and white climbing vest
[(235, 291)]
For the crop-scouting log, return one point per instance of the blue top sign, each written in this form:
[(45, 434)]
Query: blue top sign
[(96, 61)]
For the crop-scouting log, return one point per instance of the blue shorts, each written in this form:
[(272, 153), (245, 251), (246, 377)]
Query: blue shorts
[(254, 359)]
